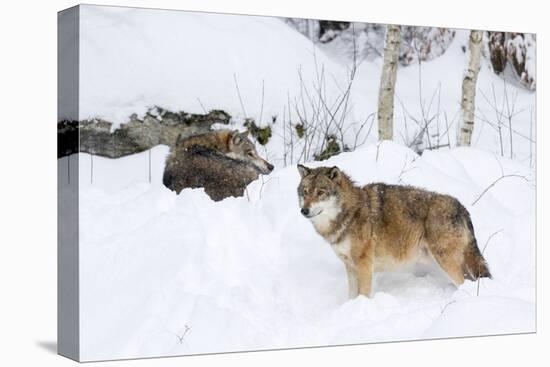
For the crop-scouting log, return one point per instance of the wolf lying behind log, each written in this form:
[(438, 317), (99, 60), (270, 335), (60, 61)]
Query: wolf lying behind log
[(222, 162)]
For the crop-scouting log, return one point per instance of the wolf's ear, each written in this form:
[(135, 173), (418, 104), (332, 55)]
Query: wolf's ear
[(237, 137), (334, 173), (304, 171)]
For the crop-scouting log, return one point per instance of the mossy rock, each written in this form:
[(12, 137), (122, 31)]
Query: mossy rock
[(332, 148), (300, 130), (261, 134), (158, 126)]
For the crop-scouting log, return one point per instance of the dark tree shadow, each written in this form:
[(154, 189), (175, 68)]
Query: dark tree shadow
[(50, 346)]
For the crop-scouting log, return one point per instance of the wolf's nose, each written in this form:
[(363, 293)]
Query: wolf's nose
[(304, 211), (270, 167)]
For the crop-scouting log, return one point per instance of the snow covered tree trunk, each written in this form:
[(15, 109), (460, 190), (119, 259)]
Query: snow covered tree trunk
[(469, 89), (387, 83)]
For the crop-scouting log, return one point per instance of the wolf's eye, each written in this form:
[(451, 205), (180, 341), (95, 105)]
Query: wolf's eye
[(250, 154), (321, 192)]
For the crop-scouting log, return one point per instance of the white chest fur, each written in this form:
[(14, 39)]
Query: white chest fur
[(342, 249), (328, 211)]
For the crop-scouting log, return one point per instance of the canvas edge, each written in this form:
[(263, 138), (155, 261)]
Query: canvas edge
[(68, 320)]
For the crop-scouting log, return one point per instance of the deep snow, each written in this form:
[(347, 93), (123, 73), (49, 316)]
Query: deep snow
[(251, 273), (167, 274)]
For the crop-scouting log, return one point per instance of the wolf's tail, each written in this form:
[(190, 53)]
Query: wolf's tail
[(475, 266)]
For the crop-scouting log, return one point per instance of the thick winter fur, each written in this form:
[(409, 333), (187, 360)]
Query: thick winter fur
[(223, 162), (380, 227)]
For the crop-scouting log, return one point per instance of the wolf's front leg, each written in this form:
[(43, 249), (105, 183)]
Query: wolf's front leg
[(353, 285), (365, 268)]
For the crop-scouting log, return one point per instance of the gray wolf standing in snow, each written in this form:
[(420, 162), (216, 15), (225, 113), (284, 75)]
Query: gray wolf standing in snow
[(223, 162), (379, 227)]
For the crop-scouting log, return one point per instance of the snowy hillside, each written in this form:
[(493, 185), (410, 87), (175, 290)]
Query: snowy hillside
[(184, 59), (251, 272), (261, 68)]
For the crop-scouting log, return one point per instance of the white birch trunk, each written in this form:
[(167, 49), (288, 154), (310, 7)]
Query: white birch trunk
[(469, 89), (387, 83)]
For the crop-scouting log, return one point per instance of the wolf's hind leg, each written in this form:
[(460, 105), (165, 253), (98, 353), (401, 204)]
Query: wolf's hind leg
[(353, 284)]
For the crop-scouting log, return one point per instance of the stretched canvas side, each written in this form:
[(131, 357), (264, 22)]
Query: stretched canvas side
[(67, 185)]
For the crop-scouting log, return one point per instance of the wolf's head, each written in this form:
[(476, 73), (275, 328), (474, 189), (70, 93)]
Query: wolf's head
[(242, 149), (319, 192)]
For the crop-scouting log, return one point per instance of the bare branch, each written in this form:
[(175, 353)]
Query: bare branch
[(483, 251), (495, 182), (239, 94), (262, 105), (203, 109)]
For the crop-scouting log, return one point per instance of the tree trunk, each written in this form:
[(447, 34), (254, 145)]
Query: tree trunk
[(387, 83), (469, 89)]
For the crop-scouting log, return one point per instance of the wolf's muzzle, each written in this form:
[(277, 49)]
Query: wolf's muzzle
[(265, 168)]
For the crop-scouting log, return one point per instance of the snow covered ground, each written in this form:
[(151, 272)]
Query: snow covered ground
[(251, 273), (167, 274)]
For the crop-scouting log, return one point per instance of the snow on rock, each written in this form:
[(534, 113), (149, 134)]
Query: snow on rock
[(167, 274)]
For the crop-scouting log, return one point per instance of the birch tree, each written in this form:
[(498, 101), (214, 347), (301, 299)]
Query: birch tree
[(469, 89), (387, 83)]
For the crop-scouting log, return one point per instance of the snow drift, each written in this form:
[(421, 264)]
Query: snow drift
[(167, 274)]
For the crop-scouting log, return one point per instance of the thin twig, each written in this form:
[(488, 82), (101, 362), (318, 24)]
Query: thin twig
[(495, 182), (447, 305), (378, 149), (262, 105), (181, 338), (202, 106), (239, 94), (483, 251)]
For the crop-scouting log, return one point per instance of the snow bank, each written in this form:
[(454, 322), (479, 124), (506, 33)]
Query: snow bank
[(484, 316), (132, 59), (167, 274)]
